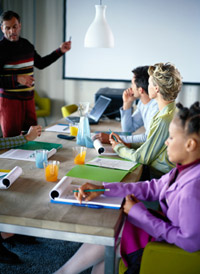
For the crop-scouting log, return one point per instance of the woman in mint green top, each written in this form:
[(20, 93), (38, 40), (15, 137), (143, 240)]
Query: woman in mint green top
[(10, 142), (164, 86)]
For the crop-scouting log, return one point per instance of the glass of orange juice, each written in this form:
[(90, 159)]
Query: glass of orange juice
[(73, 129), (79, 155), (51, 170)]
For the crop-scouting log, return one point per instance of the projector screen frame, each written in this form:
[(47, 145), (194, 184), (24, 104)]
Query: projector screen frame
[(103, 79)]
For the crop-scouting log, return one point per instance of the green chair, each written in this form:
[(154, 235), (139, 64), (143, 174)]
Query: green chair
[(43, 106), (164, 258), (68, 109), (159, 257)]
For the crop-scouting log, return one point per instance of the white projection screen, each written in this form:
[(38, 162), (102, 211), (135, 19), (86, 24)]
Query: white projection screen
[(146, 32)]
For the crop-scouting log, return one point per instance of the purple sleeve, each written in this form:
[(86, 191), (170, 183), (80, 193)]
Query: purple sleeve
[(183, 231), (146, 190)]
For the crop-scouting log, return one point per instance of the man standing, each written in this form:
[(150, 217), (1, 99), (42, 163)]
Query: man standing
[(17, 59)]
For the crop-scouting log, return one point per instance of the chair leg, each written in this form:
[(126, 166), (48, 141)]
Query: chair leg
[(45, 121)]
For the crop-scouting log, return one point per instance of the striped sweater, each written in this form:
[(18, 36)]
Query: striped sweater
[(20, 58)]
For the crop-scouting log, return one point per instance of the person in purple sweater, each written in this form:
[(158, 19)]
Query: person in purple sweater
[(178, 192), (18, 58)]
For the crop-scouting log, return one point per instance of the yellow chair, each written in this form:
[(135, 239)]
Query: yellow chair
[(160, 257), (43, 106), (68, 109)]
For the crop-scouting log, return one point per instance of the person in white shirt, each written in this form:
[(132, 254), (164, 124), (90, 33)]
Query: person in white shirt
[(141, 117)]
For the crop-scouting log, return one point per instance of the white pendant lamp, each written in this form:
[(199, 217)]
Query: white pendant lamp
[(99, 34)]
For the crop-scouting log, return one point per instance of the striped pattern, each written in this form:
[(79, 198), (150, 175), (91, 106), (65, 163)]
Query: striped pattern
[(153, 152), (10, 142), (20, 58), (17, 58), (19, 64)]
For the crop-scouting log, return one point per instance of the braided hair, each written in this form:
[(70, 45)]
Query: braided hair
[(189, 118)]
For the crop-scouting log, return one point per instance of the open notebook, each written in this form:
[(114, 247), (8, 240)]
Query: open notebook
[(63, 193)]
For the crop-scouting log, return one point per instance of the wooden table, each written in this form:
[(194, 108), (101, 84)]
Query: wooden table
[(25, 207)]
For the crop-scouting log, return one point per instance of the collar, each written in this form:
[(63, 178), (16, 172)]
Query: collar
[(182, 167)]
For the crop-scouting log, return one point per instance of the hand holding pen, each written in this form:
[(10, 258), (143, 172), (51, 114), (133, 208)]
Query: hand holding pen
[(66, 46), (114, 139), (88, 192)]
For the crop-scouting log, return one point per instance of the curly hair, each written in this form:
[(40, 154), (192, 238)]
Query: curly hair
[(168, 78), (189, 118)]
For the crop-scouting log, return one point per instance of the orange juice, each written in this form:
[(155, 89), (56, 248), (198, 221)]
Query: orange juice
[(51, 172), (73, 130), (80, 158)]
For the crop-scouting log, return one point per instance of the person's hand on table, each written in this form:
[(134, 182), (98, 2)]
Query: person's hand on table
[(115, 140), (88, 196), (34, 132), (103, 137)]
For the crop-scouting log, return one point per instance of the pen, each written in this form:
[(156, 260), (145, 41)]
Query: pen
[(2, 176), (90, 206), (113, 136), (93, 190)]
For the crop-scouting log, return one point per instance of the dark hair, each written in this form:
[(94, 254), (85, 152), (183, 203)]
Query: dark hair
[(190, 118), (141, 77), (8, 15)]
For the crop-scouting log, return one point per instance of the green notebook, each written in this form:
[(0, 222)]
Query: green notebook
[(98, 173), (33, 145)]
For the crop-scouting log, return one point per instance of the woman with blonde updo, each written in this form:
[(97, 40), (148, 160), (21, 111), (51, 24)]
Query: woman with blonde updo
[(164, 85)]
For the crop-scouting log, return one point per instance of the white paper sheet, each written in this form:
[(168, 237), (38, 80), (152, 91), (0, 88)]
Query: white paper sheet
[(10, 178), (22, 154), (111, 163), (59, 128)]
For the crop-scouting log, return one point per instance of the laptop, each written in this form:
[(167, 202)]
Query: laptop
[(97, 111)]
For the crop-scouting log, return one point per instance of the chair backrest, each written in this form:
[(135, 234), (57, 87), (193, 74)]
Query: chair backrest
[(159, 257), (43, 105), (69, 109)]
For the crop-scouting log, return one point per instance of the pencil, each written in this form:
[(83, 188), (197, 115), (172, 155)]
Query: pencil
[(93, 190), (113, 136)]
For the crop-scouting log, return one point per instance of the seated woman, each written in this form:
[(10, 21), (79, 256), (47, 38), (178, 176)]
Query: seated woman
[(177, 191), (164, 86)]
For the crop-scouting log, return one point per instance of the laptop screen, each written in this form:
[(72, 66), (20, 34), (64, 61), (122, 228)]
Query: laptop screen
[(99, 107)]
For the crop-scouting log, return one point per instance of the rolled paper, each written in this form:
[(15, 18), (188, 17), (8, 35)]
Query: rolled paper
[(60, 187), (10, 178), (98, 146)]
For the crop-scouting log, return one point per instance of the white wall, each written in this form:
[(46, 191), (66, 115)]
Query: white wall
[(145, 32), (48, 36)]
